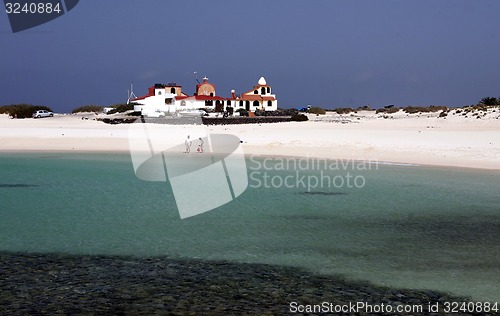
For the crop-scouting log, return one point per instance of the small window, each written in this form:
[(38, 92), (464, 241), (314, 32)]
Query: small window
[(228, 102), (268, 89), (209, 103), (159, 92), (255, 92), (241, 103), (269, 103), (255, 103), (263, 90), (211, 94), (169, 101), (172, 90), (183, 103)]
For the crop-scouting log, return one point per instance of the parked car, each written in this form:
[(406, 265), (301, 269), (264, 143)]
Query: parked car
[(42, 113)]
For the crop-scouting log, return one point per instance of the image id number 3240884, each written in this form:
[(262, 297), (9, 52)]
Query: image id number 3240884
[(32, 8)]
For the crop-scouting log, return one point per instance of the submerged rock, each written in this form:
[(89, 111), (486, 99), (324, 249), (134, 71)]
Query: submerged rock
[(50, 284)]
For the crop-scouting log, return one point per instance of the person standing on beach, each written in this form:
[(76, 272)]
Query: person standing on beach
[(188, 143), (200, 146)]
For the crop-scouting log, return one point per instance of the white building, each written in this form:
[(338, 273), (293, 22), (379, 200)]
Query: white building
[(169, 99), (259, 98), (160, 99)]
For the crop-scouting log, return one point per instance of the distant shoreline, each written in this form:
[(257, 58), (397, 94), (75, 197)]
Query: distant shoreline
[(426, 139), (257, 156)]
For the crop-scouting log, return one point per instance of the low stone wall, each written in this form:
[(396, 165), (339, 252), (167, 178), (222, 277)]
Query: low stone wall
[(245, 120), (118, 120), (205, 120)]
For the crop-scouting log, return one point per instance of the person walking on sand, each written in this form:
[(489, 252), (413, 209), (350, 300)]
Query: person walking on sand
[(200, 146), (188, 143)]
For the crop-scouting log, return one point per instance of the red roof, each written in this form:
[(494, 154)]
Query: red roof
[(258, 97), (151, 93), (207, 97)]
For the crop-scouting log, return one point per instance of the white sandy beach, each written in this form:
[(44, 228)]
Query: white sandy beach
[(456, 141)]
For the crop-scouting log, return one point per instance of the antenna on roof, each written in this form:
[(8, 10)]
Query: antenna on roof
[(130, 93), (196, 77)]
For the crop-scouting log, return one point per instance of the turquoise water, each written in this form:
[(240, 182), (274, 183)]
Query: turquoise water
[(407, 226)]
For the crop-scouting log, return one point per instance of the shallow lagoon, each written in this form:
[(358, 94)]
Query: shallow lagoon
[(407, 226)]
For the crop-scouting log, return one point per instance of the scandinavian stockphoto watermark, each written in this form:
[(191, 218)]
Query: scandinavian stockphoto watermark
[(309, 173), (446, 307), (208, 170), (26, 14)]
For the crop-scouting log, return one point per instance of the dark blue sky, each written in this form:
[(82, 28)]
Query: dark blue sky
[(326, 53)]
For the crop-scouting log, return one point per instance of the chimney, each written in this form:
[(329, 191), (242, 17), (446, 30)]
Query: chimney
[(232, 94)]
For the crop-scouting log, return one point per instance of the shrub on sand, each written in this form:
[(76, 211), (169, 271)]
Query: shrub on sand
[(120, 108), (316, 110), (424, 109), (299, 118), (490, 101), (390, 110), (87, 108), (344, 110)]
